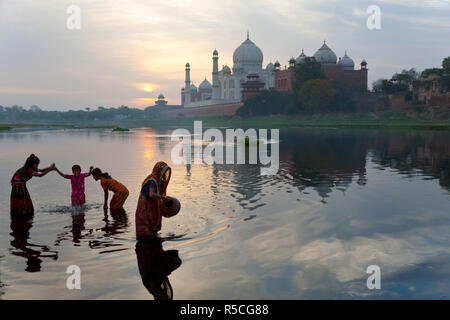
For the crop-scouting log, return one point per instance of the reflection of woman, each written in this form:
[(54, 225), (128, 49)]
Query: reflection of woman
[(21, 204), (20, 231), (155, 265), (153, 192)]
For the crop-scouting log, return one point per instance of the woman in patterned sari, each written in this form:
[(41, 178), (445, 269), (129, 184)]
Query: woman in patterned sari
[(153, 193), (21, 204)]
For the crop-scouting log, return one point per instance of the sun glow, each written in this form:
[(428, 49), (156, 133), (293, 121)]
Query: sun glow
[(146, 87)]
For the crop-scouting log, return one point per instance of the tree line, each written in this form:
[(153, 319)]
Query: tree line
[(314, 93), (17, 113)]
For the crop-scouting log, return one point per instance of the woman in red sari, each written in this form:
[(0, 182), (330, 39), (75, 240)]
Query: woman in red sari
[(153, 192), (21, 204)]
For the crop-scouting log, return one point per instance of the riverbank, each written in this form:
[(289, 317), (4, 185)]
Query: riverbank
[(42, 126), (388, 119)]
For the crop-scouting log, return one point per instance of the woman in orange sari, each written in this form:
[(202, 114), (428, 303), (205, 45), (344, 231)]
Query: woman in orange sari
[(153, 193), (109, 184)]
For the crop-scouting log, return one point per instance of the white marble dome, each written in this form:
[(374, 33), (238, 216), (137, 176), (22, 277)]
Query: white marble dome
[(325, 55), (205, 85), (193, 87), (248, 56), (301, 57), (270, 66), (347, 63)]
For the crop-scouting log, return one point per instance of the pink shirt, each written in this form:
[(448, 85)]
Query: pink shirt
[(78, 196)]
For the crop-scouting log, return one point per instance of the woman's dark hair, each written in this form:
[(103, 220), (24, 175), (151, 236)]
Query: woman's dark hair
[(31, 161), (98, 172), (75, 167)]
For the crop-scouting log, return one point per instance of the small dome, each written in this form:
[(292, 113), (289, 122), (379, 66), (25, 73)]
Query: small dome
[(277, 64), (248, 55), (193, 87), (364, 62), (226, 69), (291, 60), (205, 85), (270, 66), (187, 65), (215, 53), (346, 62), (325, 55), (301, 57), (161, 96)]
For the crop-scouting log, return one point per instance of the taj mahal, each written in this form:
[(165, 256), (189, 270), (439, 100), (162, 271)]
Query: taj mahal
[(229, 85)]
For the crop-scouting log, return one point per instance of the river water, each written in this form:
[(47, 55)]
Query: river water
[(342, 200)]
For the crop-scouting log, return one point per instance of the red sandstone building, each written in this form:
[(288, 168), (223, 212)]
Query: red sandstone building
[(432, 90), (332, 68), (252, 86)]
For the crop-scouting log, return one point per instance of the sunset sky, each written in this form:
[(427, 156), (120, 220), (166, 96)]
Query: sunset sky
[(127, 52)]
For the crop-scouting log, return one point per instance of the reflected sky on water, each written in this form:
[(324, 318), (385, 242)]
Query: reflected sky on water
[(341, 201)]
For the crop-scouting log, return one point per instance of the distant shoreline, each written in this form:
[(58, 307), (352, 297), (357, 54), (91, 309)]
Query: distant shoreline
[(350, 120)]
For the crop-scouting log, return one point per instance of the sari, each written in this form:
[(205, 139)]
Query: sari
[(148, 211), (21, 204)]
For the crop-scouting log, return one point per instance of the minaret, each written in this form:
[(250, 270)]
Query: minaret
[(215, 76), (187, 86)]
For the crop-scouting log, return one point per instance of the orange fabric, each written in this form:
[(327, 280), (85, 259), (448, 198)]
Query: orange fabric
[(118, 200), (112, 185), (120, 192), (148, 215)]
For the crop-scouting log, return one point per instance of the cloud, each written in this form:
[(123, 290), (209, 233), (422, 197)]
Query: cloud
[(141, 41), (35, 91)]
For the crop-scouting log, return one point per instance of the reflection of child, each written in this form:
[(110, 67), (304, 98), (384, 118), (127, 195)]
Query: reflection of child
[(77, 181)]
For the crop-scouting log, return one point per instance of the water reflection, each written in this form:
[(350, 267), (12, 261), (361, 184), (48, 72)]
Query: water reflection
[(76, 228), (20, 231), (155, 266), (1, 283), (331, 159), (342, 200), (113, 228)]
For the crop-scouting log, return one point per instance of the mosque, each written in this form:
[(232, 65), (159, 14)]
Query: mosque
[(247, 76)]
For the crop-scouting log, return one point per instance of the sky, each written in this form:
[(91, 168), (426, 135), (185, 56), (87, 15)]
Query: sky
[(126, 52)]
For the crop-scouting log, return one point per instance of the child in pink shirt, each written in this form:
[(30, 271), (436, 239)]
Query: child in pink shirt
[(77, 181)]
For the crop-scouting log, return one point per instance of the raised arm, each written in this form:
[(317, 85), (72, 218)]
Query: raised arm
[(43, 172), (90, 171), (60, 173)]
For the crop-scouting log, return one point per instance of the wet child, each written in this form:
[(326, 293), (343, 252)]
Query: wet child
[(77, 181), (109, 184)]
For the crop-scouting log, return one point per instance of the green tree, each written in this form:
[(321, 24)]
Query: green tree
[(446, 66), (377, 85), (345, 94), (425, 73), (308, 69), (316, 95), (405, 79), (268, 102)]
